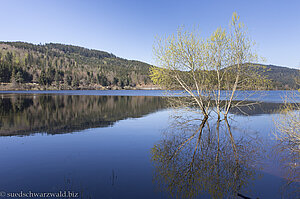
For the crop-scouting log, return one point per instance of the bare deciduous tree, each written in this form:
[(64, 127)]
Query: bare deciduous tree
[(208, 70)]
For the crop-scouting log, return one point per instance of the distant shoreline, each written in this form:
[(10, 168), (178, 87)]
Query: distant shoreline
[(37, 87)]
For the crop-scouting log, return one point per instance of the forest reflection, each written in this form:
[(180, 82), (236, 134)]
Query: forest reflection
[(24, 114), (204, 157), (53, 114)]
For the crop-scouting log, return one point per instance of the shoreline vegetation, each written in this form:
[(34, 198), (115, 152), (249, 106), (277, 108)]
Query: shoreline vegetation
[(59, 66), (51, 66), (37, 87)]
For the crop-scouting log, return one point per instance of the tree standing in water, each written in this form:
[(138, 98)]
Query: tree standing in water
[(207, 68)]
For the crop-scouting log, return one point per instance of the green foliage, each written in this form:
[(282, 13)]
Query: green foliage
[(75, 82), (223, 61), (5, 73), (59, 64), (91, 66), (19, 77), (202, 67), (102, 80), (43, 80)]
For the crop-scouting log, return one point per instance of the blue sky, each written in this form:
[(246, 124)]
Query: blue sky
[(128, 28)]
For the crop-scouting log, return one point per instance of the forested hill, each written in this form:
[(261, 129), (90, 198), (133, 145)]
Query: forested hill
[(59, 66), (282, 77)]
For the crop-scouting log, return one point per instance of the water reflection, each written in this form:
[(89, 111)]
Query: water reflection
[(22, 114), (53, 114), (287, 149), (248, 108), (210, 159), (205, 158), (257, 108)]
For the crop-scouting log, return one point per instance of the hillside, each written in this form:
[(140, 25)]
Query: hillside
[(59, 66), (282, 77)]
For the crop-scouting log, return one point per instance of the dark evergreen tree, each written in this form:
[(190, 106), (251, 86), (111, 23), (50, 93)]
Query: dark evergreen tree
[(19, 77)]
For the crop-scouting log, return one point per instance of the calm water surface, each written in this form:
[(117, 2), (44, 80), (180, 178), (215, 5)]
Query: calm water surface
[(266, 96), (116, 144)]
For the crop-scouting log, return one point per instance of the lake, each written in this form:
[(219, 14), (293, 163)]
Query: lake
[(128, 144)]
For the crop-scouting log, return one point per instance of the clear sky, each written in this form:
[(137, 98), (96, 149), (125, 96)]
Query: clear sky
[(128, 28)]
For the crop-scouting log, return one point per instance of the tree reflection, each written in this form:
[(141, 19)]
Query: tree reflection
[(287, 148), (52, 114), (204, 157), (27, 114)]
